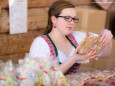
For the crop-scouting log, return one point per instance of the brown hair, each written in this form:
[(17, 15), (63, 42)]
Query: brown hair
[(55, 10)]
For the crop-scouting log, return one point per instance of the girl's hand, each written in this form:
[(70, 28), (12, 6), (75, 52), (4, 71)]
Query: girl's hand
[(105, 37), (90, 55)]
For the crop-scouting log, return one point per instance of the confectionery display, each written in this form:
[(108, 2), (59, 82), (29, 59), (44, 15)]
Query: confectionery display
[(44, 72), (92, 78), (31, 72)]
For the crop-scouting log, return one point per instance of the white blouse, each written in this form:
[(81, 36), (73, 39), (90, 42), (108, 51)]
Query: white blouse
[(40, 48)]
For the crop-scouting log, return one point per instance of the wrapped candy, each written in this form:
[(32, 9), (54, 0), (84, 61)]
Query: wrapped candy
[(44, 79), (7, 75), (58, 79), (90, 42), (74, 80), (27, 72)]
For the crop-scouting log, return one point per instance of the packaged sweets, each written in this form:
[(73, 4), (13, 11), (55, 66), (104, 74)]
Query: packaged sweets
[(90, 41)]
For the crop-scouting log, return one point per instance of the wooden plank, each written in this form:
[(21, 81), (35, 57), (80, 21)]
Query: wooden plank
[(14, 44), (0, 9), (4, 21), (13, 57), (37, 19), (37, 3), (45, 3), (4, 3)]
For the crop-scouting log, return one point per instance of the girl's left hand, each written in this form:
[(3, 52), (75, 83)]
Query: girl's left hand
[(105, 37)]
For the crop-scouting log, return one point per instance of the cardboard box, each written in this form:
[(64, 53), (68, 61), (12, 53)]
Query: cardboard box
[(90, 19), (81, 2), (111, 64), (110, 22)]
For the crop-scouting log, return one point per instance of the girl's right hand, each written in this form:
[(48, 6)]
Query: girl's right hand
[(90, 55)]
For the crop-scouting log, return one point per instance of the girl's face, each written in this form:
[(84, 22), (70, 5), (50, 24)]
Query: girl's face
[(65, 21)]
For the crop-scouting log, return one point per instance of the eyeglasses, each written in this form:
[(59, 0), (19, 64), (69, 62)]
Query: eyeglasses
[(69, 19)]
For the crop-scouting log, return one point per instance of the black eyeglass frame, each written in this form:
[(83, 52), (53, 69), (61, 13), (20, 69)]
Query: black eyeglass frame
[(75, 20)]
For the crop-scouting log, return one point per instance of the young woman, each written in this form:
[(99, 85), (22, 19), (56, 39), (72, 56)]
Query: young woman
[(60, 41)]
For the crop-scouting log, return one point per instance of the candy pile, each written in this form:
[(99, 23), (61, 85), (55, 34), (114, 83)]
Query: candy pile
[(31, 72), (93, 78)]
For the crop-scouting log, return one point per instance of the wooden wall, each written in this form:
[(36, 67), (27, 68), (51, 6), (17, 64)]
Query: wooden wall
[(15, 46)]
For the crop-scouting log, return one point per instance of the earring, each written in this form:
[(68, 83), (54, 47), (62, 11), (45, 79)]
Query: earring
[(54, 26)]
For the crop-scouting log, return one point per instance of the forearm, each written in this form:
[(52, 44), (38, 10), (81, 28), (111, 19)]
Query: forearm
[(67, 64), (76, 58), (107, 50)]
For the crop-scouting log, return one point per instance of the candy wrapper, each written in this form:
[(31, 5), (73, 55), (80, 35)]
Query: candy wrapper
[(45, 79), (90, 41), (74, 80), (7, 74), (57, 77), (27, 72)]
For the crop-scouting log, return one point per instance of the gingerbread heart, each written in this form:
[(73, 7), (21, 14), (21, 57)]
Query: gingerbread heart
[(104, 3)]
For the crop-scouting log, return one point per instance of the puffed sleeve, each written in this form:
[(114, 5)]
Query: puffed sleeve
[(39, 48), (79, 36)]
